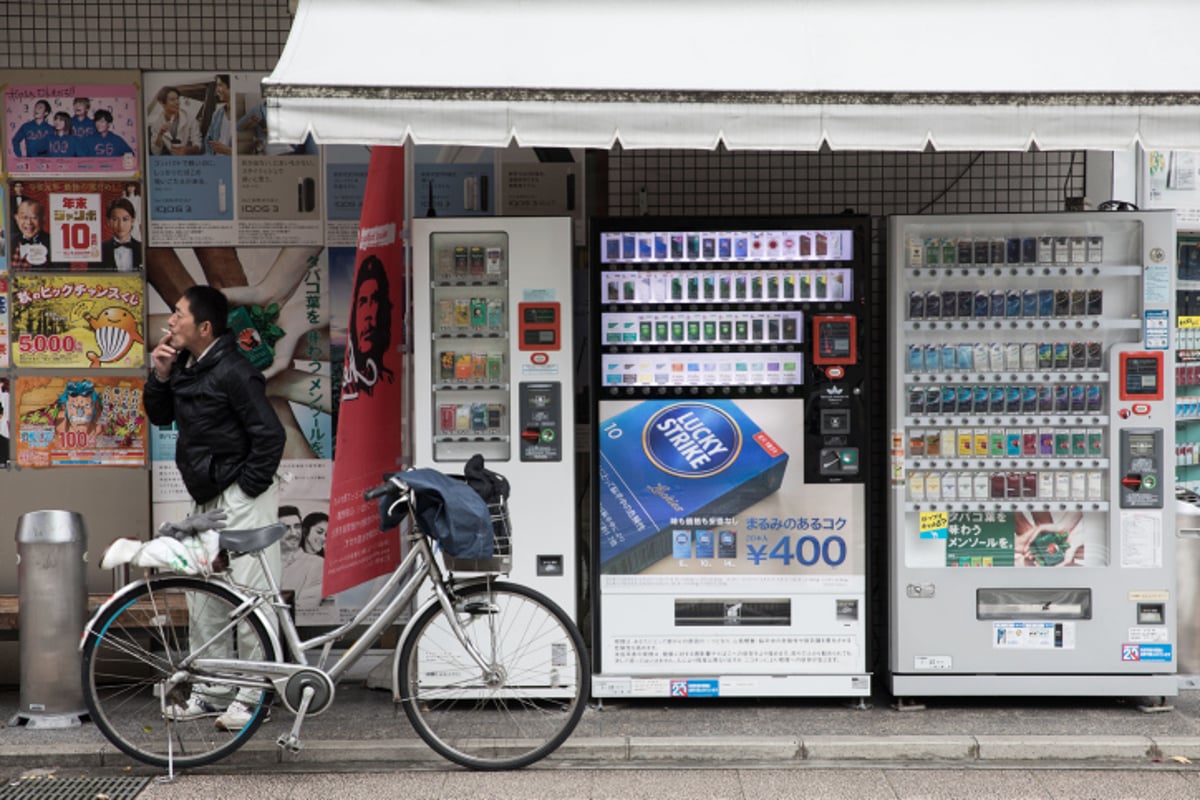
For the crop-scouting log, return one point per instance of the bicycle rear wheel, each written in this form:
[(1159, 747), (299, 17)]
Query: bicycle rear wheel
[(527, 701), (135, 646)]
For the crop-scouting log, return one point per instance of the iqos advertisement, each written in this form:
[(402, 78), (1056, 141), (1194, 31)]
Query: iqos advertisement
[(718, 564)]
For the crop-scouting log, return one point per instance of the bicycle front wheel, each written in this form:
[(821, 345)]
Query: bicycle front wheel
[(132, 682), (526, 699)]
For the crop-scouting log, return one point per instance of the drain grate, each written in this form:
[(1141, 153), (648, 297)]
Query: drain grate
[(47, 788)]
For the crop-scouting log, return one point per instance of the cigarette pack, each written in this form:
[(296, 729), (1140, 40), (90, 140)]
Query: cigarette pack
[(663, 461)]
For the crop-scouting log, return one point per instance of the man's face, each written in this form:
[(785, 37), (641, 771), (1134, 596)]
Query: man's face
[(81, 110), (122, 224), (291, 539), (27, 220), (186, 334), (101, 124), (366, 315), (41, 111), (18, 188), (172, 104)]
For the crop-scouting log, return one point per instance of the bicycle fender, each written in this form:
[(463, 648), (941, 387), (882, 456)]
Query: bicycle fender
[(408, 630), (119, 596)]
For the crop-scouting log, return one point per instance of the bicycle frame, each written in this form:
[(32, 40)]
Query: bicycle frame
[(234, 672)]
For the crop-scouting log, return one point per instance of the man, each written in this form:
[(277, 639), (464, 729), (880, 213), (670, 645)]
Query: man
[(122, 252), (370, 334), (81, 124), (103, 143), (30, 138), (31, 245), (229, 446)]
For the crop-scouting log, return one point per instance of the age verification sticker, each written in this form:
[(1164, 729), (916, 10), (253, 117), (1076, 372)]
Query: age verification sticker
[(1033, 635)]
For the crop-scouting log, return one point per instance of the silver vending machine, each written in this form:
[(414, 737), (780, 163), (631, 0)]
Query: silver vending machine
[(1032, 444)]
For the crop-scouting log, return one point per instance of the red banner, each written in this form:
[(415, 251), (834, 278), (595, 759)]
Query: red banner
[(369, 431)]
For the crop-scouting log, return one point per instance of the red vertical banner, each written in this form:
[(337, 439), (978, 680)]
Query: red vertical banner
[(369, 430)]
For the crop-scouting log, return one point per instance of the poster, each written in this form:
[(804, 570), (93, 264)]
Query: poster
[(280, 300), (4, 357), (5, 423), (189, 145), (78, 321), (279, 194), (345, 183), (1171, 179), (79, 421), (371, 410), (707, 529), (76, 225), (69, 129)]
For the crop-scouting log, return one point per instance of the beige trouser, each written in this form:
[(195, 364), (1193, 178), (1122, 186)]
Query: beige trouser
[(242, 512)]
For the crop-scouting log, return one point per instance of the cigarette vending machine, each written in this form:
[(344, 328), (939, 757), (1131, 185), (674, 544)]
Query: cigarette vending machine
[(1032, 424), (493, 353), (730, 440)]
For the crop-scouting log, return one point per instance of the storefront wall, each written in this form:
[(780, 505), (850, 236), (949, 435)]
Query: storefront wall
[(249, 35)]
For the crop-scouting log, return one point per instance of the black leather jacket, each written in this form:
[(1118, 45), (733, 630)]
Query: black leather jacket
[(228, 432)]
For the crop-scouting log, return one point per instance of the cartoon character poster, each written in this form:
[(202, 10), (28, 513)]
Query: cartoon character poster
[(76, 226), (72, 129), (79, 421), (78, 321)]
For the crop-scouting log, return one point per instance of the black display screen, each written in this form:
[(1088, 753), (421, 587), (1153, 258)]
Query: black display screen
[(1141, 376), (540, 316)]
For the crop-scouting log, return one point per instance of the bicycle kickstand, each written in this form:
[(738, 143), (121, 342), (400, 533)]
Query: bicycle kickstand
[(290, 741)]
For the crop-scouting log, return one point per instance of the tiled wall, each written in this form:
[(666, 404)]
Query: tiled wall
[(231, 35)]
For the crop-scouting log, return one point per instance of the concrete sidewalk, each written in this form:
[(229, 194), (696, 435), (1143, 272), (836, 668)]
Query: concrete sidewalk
[(363, 726)]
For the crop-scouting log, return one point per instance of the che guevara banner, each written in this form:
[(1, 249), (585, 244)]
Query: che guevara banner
[(369, 431)]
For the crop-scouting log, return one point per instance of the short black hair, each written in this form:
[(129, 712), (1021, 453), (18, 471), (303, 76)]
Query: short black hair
[(289, 511), (126, 206), (208, 304), (103, 114)]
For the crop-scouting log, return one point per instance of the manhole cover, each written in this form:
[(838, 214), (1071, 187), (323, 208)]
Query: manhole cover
[(48, 788)]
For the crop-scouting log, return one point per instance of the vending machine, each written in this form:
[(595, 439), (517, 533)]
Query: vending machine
[(1032, 426), (730, 442), (493, 353)]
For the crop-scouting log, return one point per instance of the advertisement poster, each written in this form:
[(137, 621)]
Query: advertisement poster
[(189, 145), (71, 129), (280, 309), (76, 225), (707, 529), (279, 193), (453, 190), (345, 184), (79, 421), (1025, 539), (4, 357), (78, 321), (370, 431), (1171, 179), (5, 423)]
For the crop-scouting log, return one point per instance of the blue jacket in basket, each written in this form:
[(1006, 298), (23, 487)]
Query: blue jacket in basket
[(450, 512)]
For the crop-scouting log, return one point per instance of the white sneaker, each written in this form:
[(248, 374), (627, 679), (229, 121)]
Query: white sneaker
[(196, 708), (235, 717)]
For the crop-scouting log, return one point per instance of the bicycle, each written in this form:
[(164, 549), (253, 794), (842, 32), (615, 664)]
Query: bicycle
[(492, 675)]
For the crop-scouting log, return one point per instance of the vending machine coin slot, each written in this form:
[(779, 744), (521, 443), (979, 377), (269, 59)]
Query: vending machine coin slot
[(541, 421), (1141, 458)]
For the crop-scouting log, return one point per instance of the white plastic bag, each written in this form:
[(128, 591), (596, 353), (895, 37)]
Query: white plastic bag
[(191, 555)]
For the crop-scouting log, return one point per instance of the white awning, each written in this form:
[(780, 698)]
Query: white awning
[(754, 75)]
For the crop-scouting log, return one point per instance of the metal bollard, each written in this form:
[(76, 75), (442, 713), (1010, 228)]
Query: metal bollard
[(51, 578)]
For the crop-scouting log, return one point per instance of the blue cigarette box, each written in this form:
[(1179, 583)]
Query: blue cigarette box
[(663, 463)]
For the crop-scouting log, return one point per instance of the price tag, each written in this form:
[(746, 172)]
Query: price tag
[(1188, 322)]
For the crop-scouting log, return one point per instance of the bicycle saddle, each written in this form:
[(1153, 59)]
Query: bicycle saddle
[(251, 540)]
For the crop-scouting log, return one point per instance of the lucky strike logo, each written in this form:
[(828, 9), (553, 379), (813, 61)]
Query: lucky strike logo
[(691, 440)]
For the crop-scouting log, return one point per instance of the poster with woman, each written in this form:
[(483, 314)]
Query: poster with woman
[(91, 420), (76, 225), (65, 129), (78, 321)]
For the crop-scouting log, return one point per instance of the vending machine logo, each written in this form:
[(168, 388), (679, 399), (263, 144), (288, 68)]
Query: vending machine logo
[(692, 440)]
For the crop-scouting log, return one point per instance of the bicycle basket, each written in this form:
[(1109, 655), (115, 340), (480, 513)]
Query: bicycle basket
[(501, 560)]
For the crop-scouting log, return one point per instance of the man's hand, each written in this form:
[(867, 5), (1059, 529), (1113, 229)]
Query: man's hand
[(197, 523), (163, 356)]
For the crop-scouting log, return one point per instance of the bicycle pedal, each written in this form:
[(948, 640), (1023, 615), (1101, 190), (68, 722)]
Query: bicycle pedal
[(290, 743)]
